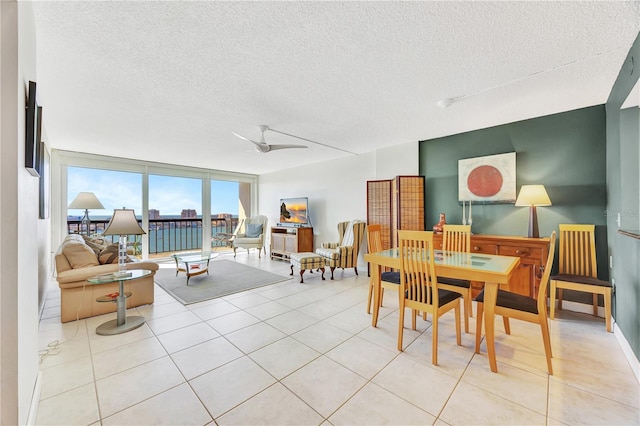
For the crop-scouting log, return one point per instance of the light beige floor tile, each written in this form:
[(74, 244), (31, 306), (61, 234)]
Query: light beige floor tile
[(230, 385), (215, 310), (177, 406), (66, 376), (255, 337), (75, 407), (452, 359), (508, 383), (292, 321), (284, 357), (204, 357), (422, 385), (320, 310), (470, 405), (324, 384), (321, 336), (63, 345), (103, 343), (376, 406), (266, 409), (362, 356), (154, 311), (124, 357), (598, 379), (248, 300), (350, 320), (188, 336), (573, 406), (278, 291), (268, 310), (125, 389), (161, 297), (232, 322), (173, 322)]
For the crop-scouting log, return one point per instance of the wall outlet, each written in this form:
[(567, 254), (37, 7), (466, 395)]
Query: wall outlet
[(618, 220)]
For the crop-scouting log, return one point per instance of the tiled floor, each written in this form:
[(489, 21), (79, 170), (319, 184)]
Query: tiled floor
[(302, 354)]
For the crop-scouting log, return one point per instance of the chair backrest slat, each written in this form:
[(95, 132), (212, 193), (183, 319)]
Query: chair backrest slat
[(544, 281), (374, 238), (577, 250), (456, 238), (417, 276)]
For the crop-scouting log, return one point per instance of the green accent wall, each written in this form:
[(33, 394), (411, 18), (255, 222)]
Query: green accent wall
[(623, 163), (565, 152)]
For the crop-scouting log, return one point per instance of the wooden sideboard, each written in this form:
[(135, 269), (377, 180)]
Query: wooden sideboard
[(533, 254), (285, 240)]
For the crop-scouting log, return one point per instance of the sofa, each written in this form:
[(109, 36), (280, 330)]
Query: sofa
[(79, 258)]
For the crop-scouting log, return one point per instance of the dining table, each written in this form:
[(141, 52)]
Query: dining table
[(493, 270)]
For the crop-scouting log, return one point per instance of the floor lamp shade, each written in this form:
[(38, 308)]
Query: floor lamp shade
[(123, 223), (533, 196), (86, 201)]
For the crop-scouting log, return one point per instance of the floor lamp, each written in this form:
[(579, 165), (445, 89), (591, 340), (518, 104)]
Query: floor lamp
[(86, 201), (123, 223), (532, 196)]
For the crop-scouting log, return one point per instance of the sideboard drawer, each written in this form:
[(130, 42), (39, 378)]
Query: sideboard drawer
[(484, 248), (525, 252)]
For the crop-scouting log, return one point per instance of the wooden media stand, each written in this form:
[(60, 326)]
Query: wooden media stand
[(287, 240)]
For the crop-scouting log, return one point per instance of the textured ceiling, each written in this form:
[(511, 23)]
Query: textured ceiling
[(170, 81)]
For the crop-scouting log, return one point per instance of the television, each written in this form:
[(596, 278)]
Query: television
[(32, 132), (294, 212)]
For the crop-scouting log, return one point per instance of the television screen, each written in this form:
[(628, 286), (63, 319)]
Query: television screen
[(294, 211)]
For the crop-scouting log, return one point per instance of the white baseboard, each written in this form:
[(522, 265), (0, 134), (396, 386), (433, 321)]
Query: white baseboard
[(35, 400), (628, 352)]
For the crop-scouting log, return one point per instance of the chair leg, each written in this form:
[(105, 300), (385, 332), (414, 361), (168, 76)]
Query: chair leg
[(234, 252), (559, 299), (507, 326), (381, 296), (434, 338), (355, 269), (470, 302), (370, 296), (547, 343), (466, 300), (401, 325), (457, 313), (480, 311), (595, 304), (414, 314), (607, 309), (552, 299)]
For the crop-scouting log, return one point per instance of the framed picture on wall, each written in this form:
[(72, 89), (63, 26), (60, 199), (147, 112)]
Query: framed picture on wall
[(488, 179), (44, 181)]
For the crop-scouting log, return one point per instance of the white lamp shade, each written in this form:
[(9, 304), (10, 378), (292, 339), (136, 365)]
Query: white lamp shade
[(86, 200), (123, 222), (533, 195)]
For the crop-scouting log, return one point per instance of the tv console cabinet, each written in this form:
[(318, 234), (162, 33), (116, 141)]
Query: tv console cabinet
[(532, 252), (287, 240)]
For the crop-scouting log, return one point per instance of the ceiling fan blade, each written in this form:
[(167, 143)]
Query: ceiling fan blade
[(260, 146), (272, 147), (309, 140)]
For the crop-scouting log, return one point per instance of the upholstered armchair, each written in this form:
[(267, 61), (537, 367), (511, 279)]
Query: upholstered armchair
[(344, 253), (255, 228)]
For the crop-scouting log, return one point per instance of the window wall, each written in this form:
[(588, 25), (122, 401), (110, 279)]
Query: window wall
[(180, 207)]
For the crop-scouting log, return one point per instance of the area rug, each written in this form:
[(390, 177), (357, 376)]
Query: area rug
[(225, 277)]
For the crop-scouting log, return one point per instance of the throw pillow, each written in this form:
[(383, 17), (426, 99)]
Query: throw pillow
[(79, 255), (109, 254), (254, 230), (96, 244)]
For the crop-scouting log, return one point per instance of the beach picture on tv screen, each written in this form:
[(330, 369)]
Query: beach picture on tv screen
[(293, 210)]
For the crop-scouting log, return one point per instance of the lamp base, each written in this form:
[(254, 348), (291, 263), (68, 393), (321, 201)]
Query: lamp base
[(533, 223)]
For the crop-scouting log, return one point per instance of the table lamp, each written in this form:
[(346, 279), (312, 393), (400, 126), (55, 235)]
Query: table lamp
[(123, 223), (532, 196), (86, 201)]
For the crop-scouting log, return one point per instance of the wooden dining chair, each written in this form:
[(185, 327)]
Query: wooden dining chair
[(388, 280), (458, 238), (577, 269), (525, 308), (420, 290)]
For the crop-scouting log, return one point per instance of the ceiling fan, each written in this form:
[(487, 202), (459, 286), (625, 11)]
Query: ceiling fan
[(264, 147)]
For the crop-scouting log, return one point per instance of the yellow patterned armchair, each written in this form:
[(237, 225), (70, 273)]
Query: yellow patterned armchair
[(344, 253)]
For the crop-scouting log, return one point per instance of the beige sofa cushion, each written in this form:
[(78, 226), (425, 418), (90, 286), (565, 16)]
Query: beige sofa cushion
[(79, 255)]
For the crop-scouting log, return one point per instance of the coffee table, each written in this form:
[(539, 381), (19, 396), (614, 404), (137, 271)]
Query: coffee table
[(122, 323), (192, 264)]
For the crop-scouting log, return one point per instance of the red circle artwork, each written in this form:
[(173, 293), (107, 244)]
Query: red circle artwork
[(484, 181)]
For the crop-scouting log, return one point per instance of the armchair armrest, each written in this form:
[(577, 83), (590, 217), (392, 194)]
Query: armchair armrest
[(330, 245)]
